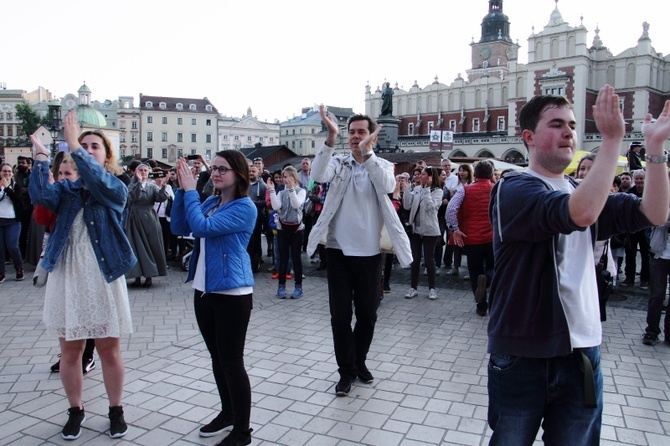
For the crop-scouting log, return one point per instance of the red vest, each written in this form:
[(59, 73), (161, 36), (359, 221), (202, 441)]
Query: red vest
[(473, 218)]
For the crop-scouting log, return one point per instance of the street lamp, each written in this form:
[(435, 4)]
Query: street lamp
[(55, 124)]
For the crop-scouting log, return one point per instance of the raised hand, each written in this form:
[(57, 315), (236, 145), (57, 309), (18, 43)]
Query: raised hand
[(186, 178), (657, 132), (329, 122), (365, 146), (607, 114), (71, 130), (38, 147)]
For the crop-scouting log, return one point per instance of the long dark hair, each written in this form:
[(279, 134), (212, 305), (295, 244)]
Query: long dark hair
[(238, 162)]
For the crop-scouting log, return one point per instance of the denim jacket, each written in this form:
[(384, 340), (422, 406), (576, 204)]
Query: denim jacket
[(102, 196)]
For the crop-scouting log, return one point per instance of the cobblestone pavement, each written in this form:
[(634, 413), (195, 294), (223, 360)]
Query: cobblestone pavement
[(428, 358)]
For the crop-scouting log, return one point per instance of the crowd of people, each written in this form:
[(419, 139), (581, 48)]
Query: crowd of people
[(525, 236)]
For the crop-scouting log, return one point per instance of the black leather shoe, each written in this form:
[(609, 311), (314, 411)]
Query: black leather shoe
[(343, 387)]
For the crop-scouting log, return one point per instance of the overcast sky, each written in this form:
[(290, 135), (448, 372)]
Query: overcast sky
[(277, 56)]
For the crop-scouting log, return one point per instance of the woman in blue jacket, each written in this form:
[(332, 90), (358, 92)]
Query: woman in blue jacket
[(220, 269), (87, 255)]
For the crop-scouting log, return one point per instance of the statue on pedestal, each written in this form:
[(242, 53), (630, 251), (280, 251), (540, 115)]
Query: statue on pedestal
[(387, 100)]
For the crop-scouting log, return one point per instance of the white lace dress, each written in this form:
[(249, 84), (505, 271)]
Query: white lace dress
[(79, 303)]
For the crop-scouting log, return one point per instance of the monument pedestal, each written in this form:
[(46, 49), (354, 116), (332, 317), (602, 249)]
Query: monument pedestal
[(387, 140)]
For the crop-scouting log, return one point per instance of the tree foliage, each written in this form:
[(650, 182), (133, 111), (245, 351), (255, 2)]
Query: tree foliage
[(30, 119)]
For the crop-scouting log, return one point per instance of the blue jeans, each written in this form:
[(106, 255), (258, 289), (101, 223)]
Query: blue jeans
[(9, 240), (526, 393)]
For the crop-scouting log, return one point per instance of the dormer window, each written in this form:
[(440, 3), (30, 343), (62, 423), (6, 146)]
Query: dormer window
[(149, 104), (180, 106), (208, 108), (192, 107), (163, 106)]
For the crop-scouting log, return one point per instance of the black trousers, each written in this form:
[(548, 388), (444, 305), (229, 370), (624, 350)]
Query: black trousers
[(353, 285), (637, 239), (480, 261), (290, 242), (223, 322)]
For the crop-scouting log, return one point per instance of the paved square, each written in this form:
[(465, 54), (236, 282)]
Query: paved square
[(428, 358)]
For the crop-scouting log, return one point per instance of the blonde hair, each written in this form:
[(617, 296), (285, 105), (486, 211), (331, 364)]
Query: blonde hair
[(293, 172)]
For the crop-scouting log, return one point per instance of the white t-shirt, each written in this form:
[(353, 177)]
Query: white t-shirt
[(578, 290)]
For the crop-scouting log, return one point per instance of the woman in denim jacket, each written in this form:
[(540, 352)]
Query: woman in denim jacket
[(220, 269), (87, 256)]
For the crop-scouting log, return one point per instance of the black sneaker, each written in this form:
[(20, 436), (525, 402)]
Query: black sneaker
[(343, 387), (217, 425), (236, 438), (87, 364), (480, 292), (117, 425), (2, 278), (649, 339), (364, 374), (19, 273), (56, 367), (72, 429)]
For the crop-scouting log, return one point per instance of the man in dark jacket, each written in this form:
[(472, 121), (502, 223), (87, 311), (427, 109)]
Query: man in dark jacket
[(544, 328)]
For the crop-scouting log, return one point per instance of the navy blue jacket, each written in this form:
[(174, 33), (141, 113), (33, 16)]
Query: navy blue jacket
[(526, 315)]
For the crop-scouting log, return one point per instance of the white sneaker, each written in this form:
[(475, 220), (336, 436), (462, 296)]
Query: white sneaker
[(411, 294), (432, 294)]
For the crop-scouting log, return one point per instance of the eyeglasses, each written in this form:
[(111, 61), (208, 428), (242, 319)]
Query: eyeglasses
[(220, 169)]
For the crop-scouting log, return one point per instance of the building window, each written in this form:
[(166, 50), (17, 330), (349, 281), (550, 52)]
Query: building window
[(150, 152), (313, 144), (164, 120), (163, 106), (452, 124), (164, 136), (236, 138), (163, 153), (193, 152), (180, 137), (193, 137), (193, 121), (208, 108), (122, 123), (294, 131), (313, 131), (180, 121), (475, 124), (180, 106), (300, 144), (192, 107), (208, 154), (208, 122), (300, 131), (150, 119), (150, 136), (410, 129), (293, 144), (180, 153), (149, 104), (208, 138), (431, 125), (272, 139), (133, 137), (287, 131), (122, 137), (133, 125), (225, 137), (501, 123), (248, 138)]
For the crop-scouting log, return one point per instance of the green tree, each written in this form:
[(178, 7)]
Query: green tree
[(30, 119)]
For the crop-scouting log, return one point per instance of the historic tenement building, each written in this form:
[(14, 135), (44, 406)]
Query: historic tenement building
[(481, 110)]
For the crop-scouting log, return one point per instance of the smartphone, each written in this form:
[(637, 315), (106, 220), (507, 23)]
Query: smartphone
[(193, 157)]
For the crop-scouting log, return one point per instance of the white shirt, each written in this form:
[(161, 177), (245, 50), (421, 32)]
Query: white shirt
[(451, 182), (577, 286), (357, 218)]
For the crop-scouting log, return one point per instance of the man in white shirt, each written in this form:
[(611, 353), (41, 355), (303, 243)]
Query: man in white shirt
[(356, 208)]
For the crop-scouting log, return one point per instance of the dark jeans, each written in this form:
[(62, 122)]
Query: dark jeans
[(352, 280), (638, 238), (427, 243), (526, 393), (480, 261), (165, 229), (290, 241), (658, 284), (223, 322), (9, 239)]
